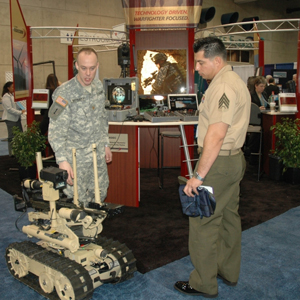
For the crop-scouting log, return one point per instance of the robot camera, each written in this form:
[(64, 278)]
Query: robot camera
[(55, 175)]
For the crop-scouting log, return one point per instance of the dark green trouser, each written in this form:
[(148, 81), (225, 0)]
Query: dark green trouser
[(215, 242)]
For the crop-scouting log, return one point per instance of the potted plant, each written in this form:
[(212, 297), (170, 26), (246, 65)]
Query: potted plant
[(287, 147), (24, 146)]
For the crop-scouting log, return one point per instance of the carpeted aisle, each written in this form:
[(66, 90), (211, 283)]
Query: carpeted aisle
[(270, 265)]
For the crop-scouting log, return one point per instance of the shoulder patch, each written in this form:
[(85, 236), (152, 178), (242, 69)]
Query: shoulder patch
[(224, 102), (57, 107)]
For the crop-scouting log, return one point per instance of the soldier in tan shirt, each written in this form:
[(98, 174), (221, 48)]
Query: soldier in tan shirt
[(224, 111)]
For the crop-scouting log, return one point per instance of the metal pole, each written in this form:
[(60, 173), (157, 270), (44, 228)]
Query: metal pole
[(186, 151)]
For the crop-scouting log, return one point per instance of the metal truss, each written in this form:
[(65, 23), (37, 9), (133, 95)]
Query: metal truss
[(280, 25), (228, 31), (245, 45), (100, 39)]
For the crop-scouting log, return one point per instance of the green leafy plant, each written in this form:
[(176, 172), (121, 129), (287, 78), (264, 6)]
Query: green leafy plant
[(25, 144), (287, 143)]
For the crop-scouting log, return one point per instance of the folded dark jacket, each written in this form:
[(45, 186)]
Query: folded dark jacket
[(201, 205)]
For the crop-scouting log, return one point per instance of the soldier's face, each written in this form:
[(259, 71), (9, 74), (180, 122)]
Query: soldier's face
[(206, 67), (87, 65)]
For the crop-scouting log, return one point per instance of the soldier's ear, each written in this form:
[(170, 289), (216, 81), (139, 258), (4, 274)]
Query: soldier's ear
[(76, 65), (218, 60)]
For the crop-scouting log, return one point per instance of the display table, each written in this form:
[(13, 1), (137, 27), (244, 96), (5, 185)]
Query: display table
[(143, 147), (269, 119)]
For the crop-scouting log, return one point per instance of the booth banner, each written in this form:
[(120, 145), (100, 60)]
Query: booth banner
[(162, 13), (20, 51)]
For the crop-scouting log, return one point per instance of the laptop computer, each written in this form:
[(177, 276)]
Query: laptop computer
[(184, 105)]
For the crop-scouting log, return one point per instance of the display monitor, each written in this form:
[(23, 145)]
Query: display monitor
[(183, 101), (152, 103), (121, 91), (162, 71)]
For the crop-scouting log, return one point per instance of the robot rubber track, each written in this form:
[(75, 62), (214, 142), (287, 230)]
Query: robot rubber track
[(74, 278)]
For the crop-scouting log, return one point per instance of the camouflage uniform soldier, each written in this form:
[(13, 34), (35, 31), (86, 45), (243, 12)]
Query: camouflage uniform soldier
[(169, 78), (78, 119)]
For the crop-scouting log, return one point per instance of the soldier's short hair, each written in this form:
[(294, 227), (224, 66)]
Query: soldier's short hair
[(212, 47), (87, 50)]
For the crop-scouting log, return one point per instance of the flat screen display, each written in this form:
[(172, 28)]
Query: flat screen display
[(183, 101), (149, 103), (119, 94), (162, 71)]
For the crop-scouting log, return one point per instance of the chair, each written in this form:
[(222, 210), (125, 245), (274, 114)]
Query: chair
[(256, 128), (164, 134)]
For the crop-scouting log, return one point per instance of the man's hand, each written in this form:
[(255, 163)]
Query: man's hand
[(66, 166), (191, 186), (108, 155)]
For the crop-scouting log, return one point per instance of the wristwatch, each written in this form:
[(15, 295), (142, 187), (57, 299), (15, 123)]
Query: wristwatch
[(199, 177), (106, 145)]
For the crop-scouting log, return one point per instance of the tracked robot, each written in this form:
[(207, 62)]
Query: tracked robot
[(70, 259)]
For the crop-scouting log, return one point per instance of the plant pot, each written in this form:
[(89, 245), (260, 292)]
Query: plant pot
[(292, 175), (275, 168), (29, 173)]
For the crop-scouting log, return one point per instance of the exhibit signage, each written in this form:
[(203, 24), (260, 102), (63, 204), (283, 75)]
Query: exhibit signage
[(92, 37), (118, 142), (20, 51), (162, 14)]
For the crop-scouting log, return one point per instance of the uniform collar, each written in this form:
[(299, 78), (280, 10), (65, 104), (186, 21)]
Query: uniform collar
[(222, 71)]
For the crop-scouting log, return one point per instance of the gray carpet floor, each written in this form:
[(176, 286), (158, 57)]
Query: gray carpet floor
[(270, 265)]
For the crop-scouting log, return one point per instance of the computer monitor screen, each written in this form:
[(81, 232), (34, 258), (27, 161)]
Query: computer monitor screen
[(119, 94), (152, 103), (183, 101), (121, 91)]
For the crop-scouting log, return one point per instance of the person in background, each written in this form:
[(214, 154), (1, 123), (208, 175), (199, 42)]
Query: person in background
[(291, 85), (295, 79), (224, 111), (268, 77), (272, 87), (259, 97), (78, 119), (11, 115), (51, 84)]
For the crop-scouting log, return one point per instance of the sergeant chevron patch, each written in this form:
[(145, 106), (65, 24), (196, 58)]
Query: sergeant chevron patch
[(224, 102)]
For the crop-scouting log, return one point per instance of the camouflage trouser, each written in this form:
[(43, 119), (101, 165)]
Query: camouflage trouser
[(86, 183)]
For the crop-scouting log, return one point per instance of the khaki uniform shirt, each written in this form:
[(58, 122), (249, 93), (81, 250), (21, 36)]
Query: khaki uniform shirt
[(226, 100)]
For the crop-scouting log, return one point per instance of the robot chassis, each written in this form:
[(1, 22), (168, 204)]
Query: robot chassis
[(70, 260)]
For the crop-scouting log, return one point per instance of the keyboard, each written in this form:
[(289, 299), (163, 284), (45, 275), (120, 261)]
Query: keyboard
[(161, 116), (187, 115)]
